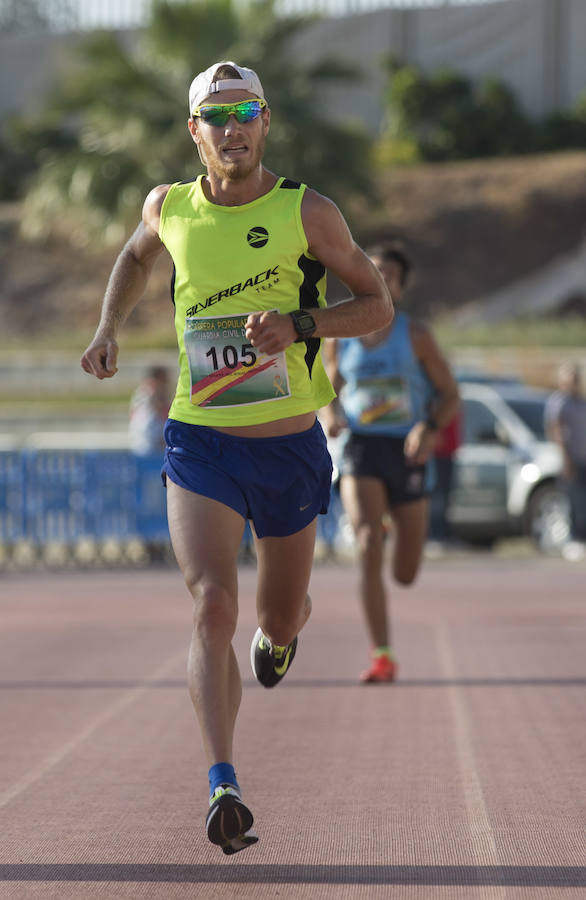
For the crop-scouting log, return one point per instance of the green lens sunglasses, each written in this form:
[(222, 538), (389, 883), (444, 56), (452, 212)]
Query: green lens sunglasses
[(219, 113)]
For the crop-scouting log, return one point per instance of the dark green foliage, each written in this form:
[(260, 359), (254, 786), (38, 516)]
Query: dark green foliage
[(565, 129), (24, 150), (444, 115)]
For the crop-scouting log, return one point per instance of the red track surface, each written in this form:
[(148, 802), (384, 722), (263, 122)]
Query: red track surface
[(465, 779)]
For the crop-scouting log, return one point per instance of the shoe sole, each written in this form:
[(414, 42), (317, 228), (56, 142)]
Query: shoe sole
[(369, 680), (240, 843), (228, 819)]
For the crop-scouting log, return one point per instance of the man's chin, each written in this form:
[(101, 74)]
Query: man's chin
[(236, 169)]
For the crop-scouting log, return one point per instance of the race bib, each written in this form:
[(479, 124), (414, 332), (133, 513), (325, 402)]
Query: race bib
[(382, 401), (225, 369)]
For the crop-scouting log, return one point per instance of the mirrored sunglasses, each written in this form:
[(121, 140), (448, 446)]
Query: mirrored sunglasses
[(219, 113)]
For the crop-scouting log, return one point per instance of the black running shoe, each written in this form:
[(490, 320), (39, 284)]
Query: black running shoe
[(269, 663), (229, 821)]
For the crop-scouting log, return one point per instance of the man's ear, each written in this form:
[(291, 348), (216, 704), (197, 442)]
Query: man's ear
[(196, 137), (193, 130), (266, 119)]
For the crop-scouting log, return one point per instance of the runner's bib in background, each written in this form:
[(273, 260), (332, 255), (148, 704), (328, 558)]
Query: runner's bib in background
[(384, 401)]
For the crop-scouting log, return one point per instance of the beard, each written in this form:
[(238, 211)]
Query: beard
[(237, 170)]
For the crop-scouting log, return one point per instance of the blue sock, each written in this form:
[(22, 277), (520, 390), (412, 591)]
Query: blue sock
[(222, 773)]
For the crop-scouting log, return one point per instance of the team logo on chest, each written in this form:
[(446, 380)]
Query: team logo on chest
[(257, 236), (262, 281)]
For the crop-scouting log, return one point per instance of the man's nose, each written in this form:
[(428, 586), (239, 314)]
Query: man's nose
[(231, 124)]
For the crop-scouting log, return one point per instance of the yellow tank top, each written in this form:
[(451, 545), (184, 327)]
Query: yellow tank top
[(230, 261)]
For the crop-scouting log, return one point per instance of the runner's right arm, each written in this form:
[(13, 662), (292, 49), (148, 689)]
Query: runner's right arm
[(125, 287)]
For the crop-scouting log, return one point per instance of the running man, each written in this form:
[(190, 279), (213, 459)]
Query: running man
[(397, 391), (250, 251)]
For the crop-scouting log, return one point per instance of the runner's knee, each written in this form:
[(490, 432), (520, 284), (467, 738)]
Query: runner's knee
[(405, 576), (369, 539), (215, 611)]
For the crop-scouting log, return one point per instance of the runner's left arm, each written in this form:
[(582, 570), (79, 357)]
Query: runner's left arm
[(421, 440), (330, 241), (332, 416)]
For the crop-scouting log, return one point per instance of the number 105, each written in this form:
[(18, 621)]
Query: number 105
[(230, 356)]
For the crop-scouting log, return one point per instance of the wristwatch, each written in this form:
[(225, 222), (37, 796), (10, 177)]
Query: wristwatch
[(304, 324)]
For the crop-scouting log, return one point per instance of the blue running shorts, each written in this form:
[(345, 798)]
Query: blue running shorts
[(281, 483)]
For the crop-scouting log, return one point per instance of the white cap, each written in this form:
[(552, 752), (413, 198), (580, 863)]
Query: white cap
[(203, 84)]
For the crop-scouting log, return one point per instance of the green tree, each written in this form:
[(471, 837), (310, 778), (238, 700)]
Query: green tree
[(443, 116), (565, 129), (124, 106), (23, 149)]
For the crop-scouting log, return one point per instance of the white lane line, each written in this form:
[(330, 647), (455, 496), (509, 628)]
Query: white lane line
[(483, 844), (45, 766)]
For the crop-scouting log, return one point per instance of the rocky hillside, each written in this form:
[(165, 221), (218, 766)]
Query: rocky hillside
[(471, 228), (474, 227)]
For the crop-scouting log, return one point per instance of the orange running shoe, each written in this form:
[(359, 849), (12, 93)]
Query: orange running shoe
[(382, 668)]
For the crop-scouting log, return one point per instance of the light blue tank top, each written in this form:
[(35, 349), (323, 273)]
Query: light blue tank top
[(387, 389)]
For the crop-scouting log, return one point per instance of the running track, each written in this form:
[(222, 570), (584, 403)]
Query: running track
[(465, 779)]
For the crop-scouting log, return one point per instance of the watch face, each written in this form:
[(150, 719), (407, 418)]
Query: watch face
[(304, 324)]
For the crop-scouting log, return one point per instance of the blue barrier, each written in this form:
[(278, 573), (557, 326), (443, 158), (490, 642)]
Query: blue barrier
[(55, 483), (65, 496), (12, 498)]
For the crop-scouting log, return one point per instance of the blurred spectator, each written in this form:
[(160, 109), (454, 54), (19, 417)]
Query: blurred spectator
[(149, 408), (565, 423), (448, 441)]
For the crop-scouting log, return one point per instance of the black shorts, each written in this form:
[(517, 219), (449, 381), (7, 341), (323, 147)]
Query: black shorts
[(382, 457)]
